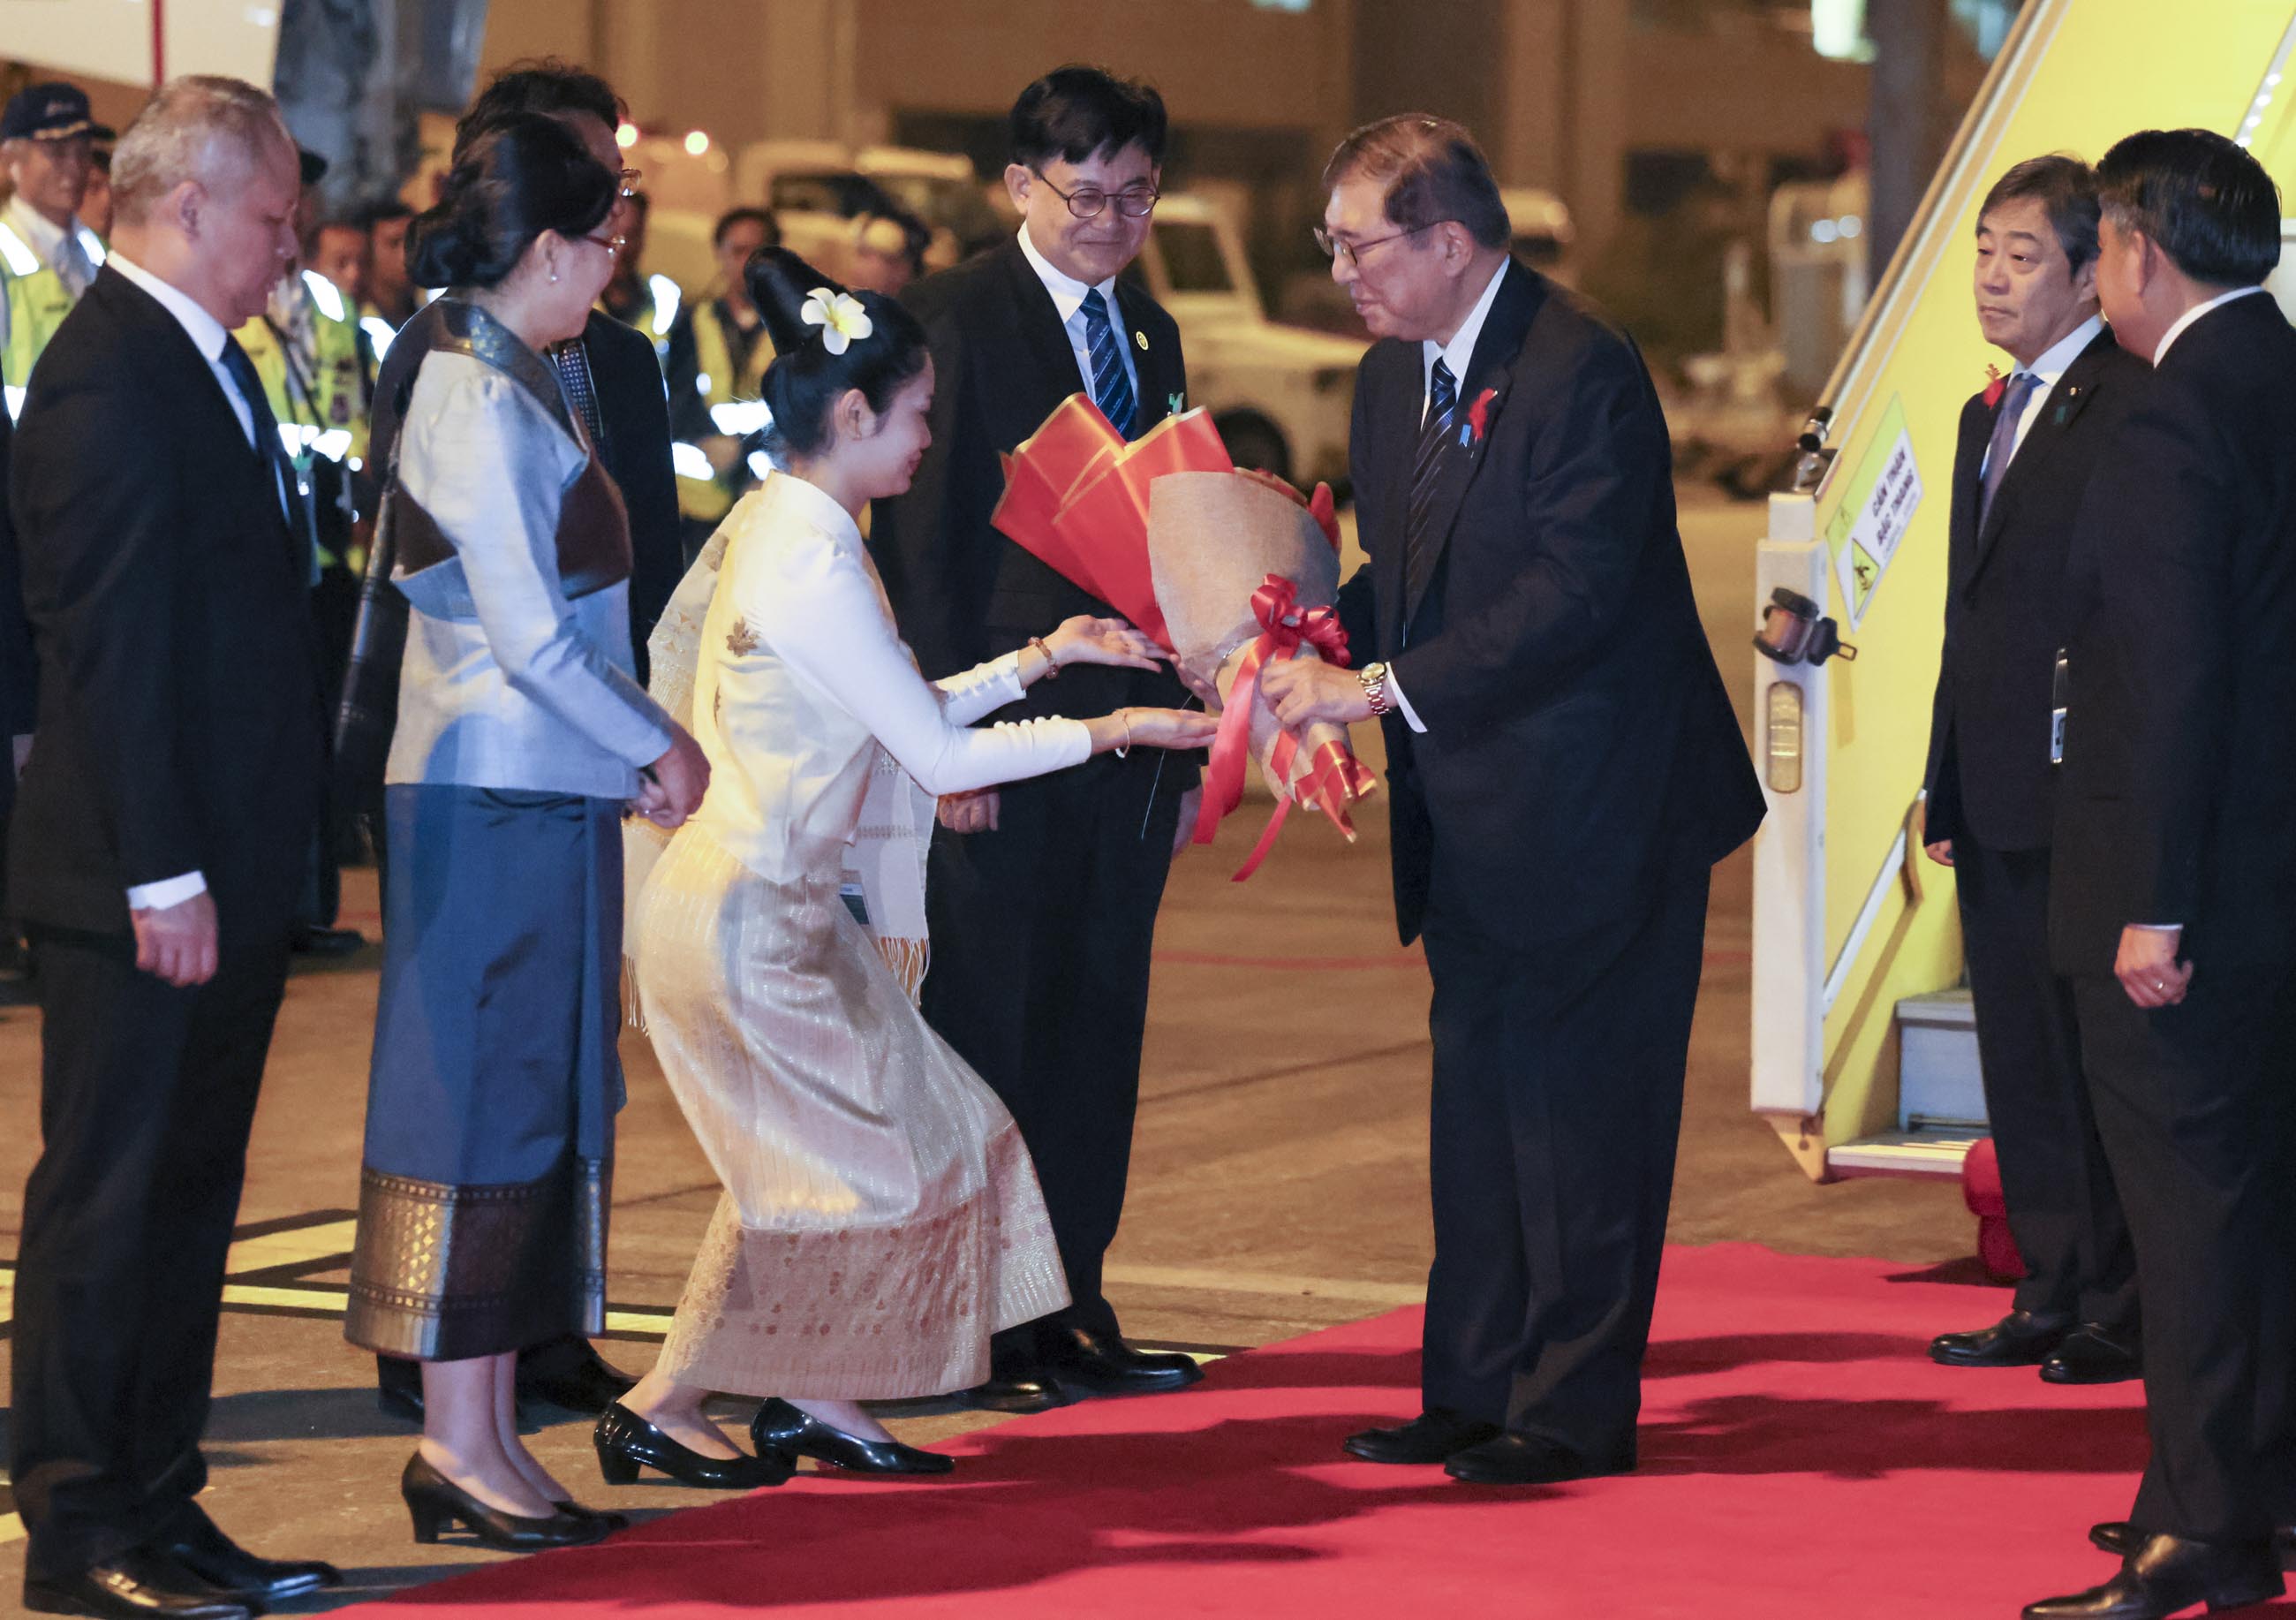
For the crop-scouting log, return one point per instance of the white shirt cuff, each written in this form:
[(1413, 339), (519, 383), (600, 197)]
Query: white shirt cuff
[(168, 892), (2160, 927), (1395, 695)]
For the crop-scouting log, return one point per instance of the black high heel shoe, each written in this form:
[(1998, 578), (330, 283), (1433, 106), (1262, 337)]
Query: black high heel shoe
[(435, 1502), (781, 1431), (626, 1442), (604, 1516)]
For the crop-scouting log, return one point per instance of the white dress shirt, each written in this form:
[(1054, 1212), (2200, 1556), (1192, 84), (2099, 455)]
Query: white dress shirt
[(2177, 329), (1456, 355), (2048, 371), (1068, 297), (207, 336)]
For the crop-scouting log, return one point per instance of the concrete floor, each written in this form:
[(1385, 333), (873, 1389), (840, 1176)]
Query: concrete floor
[(1278, 1176)]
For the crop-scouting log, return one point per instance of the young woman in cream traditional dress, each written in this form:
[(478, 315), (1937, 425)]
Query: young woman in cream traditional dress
[(881, 1216)]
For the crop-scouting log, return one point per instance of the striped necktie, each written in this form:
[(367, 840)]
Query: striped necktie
[(2002, 449), (1112, 389), (1434, 435)]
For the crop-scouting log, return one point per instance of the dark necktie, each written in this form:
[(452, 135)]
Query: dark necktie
[(268, 446), (2002, 447), (1112, 390), (573, 363), (1434, 436)]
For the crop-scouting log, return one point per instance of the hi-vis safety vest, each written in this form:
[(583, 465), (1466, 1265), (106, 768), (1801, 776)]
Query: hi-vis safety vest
[(321, 406), (730, 391), (38, 303)]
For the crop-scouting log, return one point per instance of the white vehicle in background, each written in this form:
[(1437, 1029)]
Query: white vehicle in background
[(817, 189), (1281, 395)]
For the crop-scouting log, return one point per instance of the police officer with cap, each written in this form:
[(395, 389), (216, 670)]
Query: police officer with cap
[(48, 256)]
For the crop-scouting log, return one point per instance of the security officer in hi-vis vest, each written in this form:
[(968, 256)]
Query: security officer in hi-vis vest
[(718, 352), (48, 256)]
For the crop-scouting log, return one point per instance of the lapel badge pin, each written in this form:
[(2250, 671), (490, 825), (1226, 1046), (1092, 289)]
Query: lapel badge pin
[(1140, 338), (1176, 403)]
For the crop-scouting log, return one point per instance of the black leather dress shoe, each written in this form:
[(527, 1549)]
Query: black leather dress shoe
[(1083, 1362), (2092, 1355), (1523, 1460), (782, 1433), (1434, 1436), (142, 1584), (398, 1388), (196, 1544), (570, 1373), (436, 1504), (315, 942), (2168, 1576), (2120, 1538), (626, 1442), (2020, 1339), (1019, 1392)]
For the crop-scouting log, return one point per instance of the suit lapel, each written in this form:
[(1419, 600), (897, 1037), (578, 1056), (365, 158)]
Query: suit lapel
[(1396, 391), (1161, 385), (1489, 373), (1041, 336), (2065, 403)]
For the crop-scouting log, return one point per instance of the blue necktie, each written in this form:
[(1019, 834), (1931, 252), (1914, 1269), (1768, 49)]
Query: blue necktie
[(2002, 447), (1112, 389), (1434, 434), (269, 447)]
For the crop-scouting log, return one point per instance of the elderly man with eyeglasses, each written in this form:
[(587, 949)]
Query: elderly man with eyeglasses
[(1042, 899)]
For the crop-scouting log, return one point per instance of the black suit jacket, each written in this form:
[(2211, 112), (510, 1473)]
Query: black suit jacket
[(961, 591), (1580, 748), (2179, 796), (18, 668), (1989, 775), (179, 724), (634, 404)]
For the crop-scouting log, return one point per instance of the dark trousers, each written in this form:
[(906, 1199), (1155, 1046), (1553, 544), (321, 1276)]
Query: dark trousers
[(1557, 1105), (1041, 937), (2064, 1210), (2195, 1106), (147, 1093)]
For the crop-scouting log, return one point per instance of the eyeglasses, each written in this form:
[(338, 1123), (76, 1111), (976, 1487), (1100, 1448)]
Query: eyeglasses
[(1353, 252), (612, 244), (633, 181), (1086, 202)]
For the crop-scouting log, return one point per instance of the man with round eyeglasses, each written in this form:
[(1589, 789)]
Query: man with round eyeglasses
[(1042, 898)]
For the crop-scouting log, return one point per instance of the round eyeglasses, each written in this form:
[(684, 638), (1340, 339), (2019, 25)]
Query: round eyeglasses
[(1087, 202), (1353, 252)]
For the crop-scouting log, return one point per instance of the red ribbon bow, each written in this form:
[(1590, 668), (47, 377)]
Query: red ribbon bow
[(1336, 778), (1995, 384)]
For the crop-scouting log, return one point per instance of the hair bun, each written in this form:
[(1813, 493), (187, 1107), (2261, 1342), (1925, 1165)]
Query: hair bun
[(779, 284)]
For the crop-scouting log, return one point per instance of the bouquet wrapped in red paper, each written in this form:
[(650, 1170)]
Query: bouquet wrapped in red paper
[(1227, 569)]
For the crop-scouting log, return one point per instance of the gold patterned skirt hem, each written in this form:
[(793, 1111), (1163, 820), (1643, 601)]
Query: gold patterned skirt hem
[(443, 1272), (868, 1312)]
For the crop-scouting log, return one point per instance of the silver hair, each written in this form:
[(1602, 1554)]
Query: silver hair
[(201, 126)]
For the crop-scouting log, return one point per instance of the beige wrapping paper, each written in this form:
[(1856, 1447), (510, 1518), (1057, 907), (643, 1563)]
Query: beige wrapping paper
[(1213, 538)]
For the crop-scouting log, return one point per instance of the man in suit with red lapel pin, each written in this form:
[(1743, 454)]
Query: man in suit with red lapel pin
[(2028, 445), (1566, 769)]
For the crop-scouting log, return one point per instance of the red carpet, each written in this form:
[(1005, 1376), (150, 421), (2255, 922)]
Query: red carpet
[(1800, 1457)]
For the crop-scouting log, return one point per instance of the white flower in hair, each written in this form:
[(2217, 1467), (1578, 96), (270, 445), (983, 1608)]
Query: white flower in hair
[(840, 316)]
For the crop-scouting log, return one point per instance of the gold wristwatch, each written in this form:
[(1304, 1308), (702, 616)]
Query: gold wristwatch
[(1373, 676)]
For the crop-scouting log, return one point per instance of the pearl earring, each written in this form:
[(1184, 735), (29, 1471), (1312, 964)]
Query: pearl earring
[(553, 277)]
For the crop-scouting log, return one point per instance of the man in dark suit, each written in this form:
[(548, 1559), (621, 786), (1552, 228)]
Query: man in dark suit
[(157, 853), (2173, 906), (2026, 450), (19, 691), (1043, 896), (1566, 769), (612, 378)]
